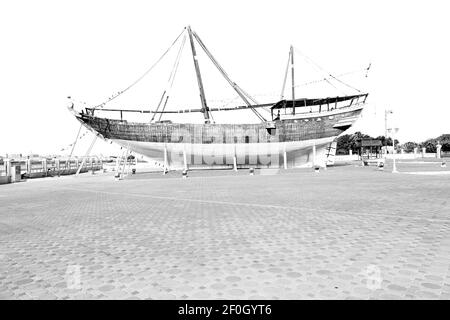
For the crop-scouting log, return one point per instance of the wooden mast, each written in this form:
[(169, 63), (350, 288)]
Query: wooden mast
[(293, 83), (199, 78), (233, 84)]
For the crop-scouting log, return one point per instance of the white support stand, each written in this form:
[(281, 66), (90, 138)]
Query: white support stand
[(314, 155), (44, 166), (86, 155), (235, 163), (118, 159), (125, 161), (185, 158), (165, 161), (285, 159)]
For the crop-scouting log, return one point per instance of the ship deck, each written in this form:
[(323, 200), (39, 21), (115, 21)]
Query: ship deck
[(293, 234)]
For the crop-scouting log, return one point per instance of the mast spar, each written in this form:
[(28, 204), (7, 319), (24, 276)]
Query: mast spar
[(233, 84), (293, 82), (199, 77)]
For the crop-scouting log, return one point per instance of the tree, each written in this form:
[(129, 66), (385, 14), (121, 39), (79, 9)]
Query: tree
[(382, 139), (409, 146), (446, 147), (350, 142), (344, 143), (429, 145)]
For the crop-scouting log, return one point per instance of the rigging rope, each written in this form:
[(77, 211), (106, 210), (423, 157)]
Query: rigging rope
[(141, 77), (339, 75), (325, 71), (254, 100), (170, 80), (72, 145), (173, 74), (225, 75)]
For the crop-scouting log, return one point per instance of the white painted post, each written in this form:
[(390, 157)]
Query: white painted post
[(8, 167), (438, 151), (424, 150), (44, 166), (29, 166), (235, 163)]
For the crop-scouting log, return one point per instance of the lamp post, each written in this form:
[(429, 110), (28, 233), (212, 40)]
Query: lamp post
[(393, 131), (386, 112)]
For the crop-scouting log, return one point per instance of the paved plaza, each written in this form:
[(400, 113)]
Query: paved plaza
[(349, 232)]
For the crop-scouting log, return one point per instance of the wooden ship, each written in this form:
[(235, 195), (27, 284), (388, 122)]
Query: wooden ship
[(300, 132)]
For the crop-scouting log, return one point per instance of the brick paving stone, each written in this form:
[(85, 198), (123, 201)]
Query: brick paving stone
[(294, 235)]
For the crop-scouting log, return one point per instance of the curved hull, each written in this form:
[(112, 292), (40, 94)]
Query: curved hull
[(299, 141), (264, 155)]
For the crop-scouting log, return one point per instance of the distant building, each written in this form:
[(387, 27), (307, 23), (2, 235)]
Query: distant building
[(13, 155), (33, 155), (369, 148)]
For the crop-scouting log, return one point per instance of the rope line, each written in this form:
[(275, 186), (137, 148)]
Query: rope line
[(72, 145), (141, 77), (225, 75), (173, 74), (308, 59), (170, 80), (323, 79)]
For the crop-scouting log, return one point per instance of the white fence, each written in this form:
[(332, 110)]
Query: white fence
[(402, 156)]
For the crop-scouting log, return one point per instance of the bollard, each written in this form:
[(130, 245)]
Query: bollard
[(317, 169), (133, 171), (252, 171), (381, 165), (184, 174)]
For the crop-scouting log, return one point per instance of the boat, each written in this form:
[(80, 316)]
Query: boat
[(300, 131)]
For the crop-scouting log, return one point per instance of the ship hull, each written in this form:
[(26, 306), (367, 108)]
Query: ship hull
[(303, 140), (259, 155)]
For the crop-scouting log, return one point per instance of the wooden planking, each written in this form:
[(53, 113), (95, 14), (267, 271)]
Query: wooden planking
[(286, 130)]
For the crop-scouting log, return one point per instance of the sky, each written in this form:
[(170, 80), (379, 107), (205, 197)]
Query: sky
[(89, 50)]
